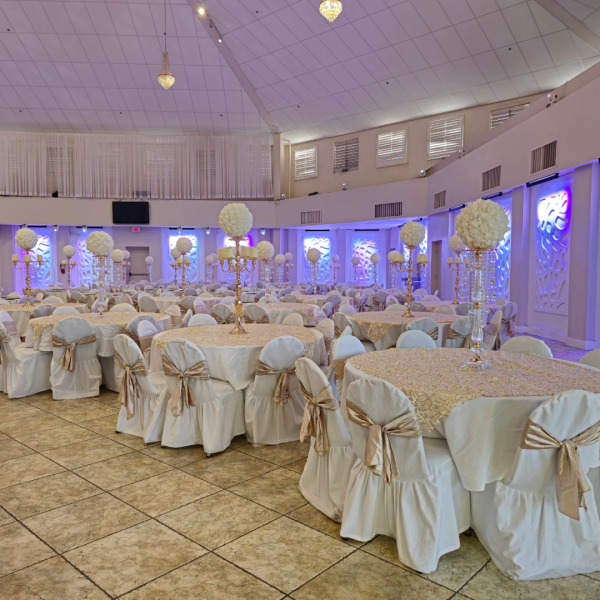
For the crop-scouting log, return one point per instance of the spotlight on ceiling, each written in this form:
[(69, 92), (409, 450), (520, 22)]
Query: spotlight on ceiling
[(55, 227), (208, 231), (201, 11), (84, 228), (262, 231)]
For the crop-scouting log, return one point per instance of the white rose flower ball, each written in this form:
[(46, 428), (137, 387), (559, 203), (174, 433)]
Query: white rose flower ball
[(99, 243), (127, 254), (280, 259), (375, 258), (396, 257), (288, 256), (354, 260), (456, 244), (149, 260), (175, 253), (210, 259), (265, 249), (390, 255), (117, 255), (482, 224), (313, 255), (412, 234), (26, 238), (184, 245), (69, 251), (335, 258), (235, 220)]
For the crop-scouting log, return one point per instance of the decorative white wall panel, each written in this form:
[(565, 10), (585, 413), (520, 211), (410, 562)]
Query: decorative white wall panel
[(322, 242), (191, 272), (363, 244), (85, 261)]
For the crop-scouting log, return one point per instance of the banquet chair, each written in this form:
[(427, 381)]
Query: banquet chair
[(431, 297), (3, 301), (420, 291), (296, 291), (446, 309), (325, 477), (77, 296), (52, 300), (507, 327), (526, 345), (24, 371), (335, 299), (347, 309), (75, 370), (133, 325), (462, 309), (289, 298), (167, 294), (415, 339), (201, 319), (38, 297), (23, 300), (500, 301), (490, 334), (206, 295), (591, 359), (189, 292), (401, 308), (254, 313), (230, 300), (44, 310), (198, 306), (259, 295), (175, 313), (340, 322), (379, 300), (146, 331), (410, 491), (327, 329), (148, 304), (327, 308), (202, 410), (223, 314), (309, 290), (426, 325), (531, 522), (343, 348), (123, 299), (293, 319), (65, 310), (310, 301), (122, 308), (274, 406), (13, 296), (11, 328), (143, 395), (391, 300), (418, 307), (188, 302), (186, 319), (459, 335)]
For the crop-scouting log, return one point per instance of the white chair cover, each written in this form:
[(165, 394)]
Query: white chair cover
[(223, 313), (267, 421), (122, 307), (217, 415), (459, 335), (175, 313), (426, 325), (327, 328), (11, 328), (526, 345), (228, 300), (294, 319), (254, 313), (509, 312), (490, 336), (445, 309), (148, 304), (415, 339), (430, 297), (592, 359), (347, 309), (186, 319), (418, 307), (65, 310), (201, 320), (424, 507), (52, 300), (518, 519), (344, 347), (500, 301), (395, 307)]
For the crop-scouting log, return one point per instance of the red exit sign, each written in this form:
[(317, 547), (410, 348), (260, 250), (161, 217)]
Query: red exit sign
[(136, 229)]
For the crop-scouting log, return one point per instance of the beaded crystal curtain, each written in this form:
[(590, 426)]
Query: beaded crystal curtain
[(132, 166)]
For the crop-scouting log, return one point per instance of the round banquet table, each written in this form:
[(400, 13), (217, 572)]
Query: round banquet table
[(234, 358), (320, 298), (481, 414), (62, 294), (21, 314), (433, 304), (311, 314), (385, 327), (165, 302), (39, 331)]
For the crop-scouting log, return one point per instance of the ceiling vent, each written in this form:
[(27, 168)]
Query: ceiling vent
[(311, 217), (439, 199), (391, 209), (543, 158), (490, 179)]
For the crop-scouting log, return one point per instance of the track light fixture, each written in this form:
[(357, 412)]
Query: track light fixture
[(208, 231), (55, 227), (84, 228), (179, 230)]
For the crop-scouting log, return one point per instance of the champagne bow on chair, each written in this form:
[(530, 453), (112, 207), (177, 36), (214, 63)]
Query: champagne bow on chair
[(510, 328), (455, 335), (130, 393), (379, 454), (229, 319), (313, 423), (67, 360), (263, 319), (434, 333), (336, 331), (183, 396), (571, 482), (282, 390), (4, 339)]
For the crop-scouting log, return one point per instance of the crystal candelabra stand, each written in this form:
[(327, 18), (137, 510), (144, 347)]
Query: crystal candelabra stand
[(288, 266), (375, 273), (124, 266), (355, 274), (314, 270), (27, 264), (101, 268), (279, 273), (238, 264), (265, 269), (410, 270), (455, 266), (335, 267), (392, 270), (68, 265), (149, 270), (118, 276)]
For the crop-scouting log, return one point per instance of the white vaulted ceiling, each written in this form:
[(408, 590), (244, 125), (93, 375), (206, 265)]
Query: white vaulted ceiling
[(92, 65)]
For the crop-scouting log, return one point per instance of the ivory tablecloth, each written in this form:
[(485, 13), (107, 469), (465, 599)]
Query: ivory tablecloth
[(165, 301), (21, 314), (320, 298), (311, 314)]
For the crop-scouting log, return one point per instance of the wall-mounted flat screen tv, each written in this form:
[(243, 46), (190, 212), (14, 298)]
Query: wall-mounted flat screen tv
[(131, 213)]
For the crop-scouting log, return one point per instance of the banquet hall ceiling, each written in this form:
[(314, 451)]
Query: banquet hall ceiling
[(91, 66)]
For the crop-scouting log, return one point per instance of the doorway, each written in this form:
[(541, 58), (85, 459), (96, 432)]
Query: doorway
[(137, 267), (436, 267)]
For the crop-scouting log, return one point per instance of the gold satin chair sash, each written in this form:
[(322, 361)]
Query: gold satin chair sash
[(336, 331), (282, 390), (313, 423), (67, 360), (131, 335), (4, 339), (11, 328), (338, 365), (130, 392), (146, 342), (434, 333), (455, 335), (183, 396), (379, 454), (228, 320), (510, 329), (263, 319), (571, 482)]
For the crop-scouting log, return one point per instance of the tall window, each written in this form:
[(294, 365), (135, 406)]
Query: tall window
[(445, 137), (305, 163), (345, 156), (392, 148)]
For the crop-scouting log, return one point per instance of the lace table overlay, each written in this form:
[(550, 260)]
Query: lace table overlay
[(307, 309), (116, 318), (377, 324), (433, 304), (510, 375), (22, 307), (258, 335)]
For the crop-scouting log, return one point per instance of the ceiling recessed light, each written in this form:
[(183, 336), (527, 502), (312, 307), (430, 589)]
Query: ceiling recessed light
[(201, 11)]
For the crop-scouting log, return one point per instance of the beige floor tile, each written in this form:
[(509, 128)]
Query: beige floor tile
[(34, 497), (277, 490), (57, 406), (103, 425), (10, 449), (238, 442), (123, 561), (55, 438), (228, 468), (297, 466), (3, 436), (111, 402), (490, 583), (41, 422), (18, 410), (285, 553), (132, 441), (362, 576), (310, 516), (176, 457), (83, 522), (19, 549), (165, 492), (282, 454), (26, 468), (218, 519), (52, 579), (86, 453), (5, 518), (122, 470), (454, 569), (217, 579), (88, 412)]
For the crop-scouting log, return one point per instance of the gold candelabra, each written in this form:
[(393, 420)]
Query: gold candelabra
[(409, 270), (456, 266), (181, 264), (68, 265), (237, 260), (335, 266), (174, 267), (28, 263)]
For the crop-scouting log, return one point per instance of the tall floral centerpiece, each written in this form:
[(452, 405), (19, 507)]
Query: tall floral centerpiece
[(314, 256), (236, 220), (392, 261), (184, 245), (335, 265), (354, 261), (149, 260), (288, 265), (27, 240), (69, 252), (279, 262), (457, 246), (100, 244), (482, 225), (266, 251), (412, 234), (209, 261), (117, 256), (375, 259)]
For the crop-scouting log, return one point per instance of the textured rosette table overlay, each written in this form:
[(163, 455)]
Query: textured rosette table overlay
[(311, 314), (21, 314)]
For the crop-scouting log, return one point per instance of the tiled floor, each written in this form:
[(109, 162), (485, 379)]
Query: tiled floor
[(560, 350), (89, 514)]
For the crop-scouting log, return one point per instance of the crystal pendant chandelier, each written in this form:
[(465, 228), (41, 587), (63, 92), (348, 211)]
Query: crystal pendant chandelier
[(165, 78), (330, 9)]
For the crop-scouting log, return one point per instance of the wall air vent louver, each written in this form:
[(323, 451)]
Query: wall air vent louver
[(311, 217), (391, 209), (543, 158), (439, 199), (490, 179)]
